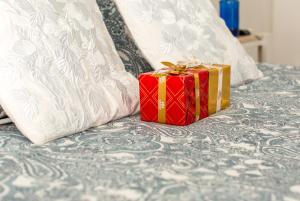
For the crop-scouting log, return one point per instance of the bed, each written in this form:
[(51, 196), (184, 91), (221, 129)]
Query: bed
[(248, 152)]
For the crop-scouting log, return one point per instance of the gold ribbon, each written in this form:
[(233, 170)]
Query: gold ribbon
[(219, 83), (162, 96), (219, 86), (197, 94), (173, 69)]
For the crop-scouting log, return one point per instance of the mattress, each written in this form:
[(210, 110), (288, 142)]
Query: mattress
[(248, 152)]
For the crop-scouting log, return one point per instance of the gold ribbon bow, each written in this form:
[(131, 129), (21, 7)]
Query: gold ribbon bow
[(173, 69)]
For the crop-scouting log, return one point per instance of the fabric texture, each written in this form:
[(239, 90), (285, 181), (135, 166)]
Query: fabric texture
[(131, 56), (2, 113), (59, 71), (249, 152), (168, 99), (3, 117), (176, 30)]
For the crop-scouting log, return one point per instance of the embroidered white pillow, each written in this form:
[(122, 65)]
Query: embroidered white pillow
[(175, 30), (59, 71)]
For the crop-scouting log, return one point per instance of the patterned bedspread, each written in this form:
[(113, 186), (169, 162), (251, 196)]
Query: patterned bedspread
[(248, 152)]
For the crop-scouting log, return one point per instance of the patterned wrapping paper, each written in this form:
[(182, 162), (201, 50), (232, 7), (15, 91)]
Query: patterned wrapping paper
[(185, 98), (219, 87), (203, 77), (194, 94), (179, 104)]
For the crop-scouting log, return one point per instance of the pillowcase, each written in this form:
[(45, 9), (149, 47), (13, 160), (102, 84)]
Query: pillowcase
[(130, 54), (2, 114), (3, 118), (175, 30), (59, 71)]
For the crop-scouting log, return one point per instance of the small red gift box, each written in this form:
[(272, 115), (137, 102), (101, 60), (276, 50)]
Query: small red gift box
[(203, 77), (179, 98)]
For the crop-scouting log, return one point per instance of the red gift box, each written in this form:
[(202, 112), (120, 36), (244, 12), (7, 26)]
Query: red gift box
[(203, 76), (173, 99)]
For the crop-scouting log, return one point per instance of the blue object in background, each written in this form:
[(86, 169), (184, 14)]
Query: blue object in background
[(230, 12)]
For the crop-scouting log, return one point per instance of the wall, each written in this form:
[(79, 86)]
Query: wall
[(278, 20), (255, 14), (285, 44)]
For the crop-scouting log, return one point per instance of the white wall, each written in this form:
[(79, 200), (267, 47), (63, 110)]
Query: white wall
[(255, 14), (285, 44), (280, 20)]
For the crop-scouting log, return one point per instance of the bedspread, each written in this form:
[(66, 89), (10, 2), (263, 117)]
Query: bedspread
[(248, 152)]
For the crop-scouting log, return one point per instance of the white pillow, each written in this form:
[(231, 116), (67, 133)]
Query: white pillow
[(59, 71), (175, 30)]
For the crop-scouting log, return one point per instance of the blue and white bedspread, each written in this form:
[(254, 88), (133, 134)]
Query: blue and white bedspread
[(248, 152)]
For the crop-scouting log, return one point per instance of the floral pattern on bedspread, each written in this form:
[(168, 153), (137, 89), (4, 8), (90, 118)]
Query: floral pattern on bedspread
[(248, 152)]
